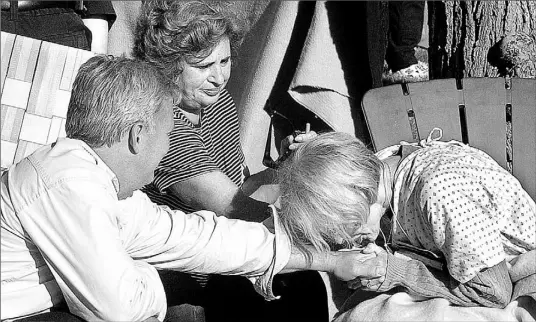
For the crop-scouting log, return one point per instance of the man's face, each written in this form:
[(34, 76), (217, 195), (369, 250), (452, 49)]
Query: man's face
[(156, 145)]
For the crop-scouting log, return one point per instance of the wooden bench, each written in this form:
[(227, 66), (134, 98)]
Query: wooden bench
[(496, 115)]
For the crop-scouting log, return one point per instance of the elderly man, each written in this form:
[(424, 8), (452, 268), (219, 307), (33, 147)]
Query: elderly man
[(76, 231)]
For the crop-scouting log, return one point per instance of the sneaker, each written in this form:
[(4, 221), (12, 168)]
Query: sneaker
[(414, 73)]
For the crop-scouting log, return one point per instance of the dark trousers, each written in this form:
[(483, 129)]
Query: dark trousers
[(405, 31), (233, 298), (57, 25)]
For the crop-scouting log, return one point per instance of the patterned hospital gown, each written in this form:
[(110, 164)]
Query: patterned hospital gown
[(457, 201)]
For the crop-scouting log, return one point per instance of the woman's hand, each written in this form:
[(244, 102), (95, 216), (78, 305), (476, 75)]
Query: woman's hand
[(291, 142), (379, 261)]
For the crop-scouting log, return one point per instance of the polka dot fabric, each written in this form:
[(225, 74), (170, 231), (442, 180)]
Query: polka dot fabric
[(455, 200)]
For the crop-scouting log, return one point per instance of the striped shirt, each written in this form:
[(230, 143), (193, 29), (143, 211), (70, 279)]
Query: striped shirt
[(213, 145)]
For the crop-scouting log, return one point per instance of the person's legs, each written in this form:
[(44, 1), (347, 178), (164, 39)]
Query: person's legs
[(405, 31), (57, 25)]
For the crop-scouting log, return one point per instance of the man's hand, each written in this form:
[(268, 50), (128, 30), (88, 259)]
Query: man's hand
[(372, 283), (358, 265)]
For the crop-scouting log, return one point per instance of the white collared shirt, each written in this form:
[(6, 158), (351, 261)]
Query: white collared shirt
[(65, 235)]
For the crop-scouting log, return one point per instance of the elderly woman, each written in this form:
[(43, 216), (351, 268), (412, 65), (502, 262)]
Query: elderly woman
[(193, 42), (458, 218)]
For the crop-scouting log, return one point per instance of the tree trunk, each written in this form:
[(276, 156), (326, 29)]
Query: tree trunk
[(465, 35)]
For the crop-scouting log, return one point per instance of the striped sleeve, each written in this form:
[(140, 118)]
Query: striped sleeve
[(221, 121), (187, 157)]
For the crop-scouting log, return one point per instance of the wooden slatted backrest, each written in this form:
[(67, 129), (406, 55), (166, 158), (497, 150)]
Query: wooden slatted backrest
[(495, 115), (36, 79)]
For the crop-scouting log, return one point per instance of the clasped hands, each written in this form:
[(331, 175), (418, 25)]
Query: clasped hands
[(362, 269)]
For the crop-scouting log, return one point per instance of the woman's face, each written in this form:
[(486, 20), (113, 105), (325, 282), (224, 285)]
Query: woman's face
[(371, 228), (202, 82)]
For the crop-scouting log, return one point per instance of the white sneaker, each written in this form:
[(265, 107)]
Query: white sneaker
[(414, 73)]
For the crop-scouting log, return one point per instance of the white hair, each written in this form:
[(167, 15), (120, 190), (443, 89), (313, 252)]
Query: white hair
[(327, 186)]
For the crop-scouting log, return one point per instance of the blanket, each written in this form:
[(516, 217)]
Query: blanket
[(295, 50), (404, 307), (319, 82), (401, 306)]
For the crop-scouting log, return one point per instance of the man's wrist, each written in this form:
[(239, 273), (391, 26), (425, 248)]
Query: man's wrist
[(322, 261), (331, 261)]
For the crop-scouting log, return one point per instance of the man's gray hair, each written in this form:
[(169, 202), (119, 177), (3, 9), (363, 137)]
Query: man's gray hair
[(110, 95)]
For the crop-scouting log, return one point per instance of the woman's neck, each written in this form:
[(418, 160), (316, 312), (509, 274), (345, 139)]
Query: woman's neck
[(191, 114)]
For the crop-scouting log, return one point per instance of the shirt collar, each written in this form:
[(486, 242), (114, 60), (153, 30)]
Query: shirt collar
[(81, 145)]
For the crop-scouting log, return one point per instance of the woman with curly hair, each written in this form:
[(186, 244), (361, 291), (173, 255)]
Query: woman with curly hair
[(193, 44)]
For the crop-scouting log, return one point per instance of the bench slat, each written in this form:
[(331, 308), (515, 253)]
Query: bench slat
[(524, 133)]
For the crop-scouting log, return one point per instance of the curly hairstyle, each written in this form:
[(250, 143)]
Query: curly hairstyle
[(327, 186), (168, 32)]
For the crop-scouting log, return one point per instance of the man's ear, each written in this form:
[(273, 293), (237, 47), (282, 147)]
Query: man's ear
[(135, 138)]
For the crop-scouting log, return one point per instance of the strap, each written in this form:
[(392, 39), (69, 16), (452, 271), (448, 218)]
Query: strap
[(79, 5), (80, 8), (267, 160), (14, 10)]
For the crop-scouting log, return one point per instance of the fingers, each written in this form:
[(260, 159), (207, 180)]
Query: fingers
[(367, 284), (363, 257), (355, 284), (374, 284), (285, 144), (371, 284), (300, 138), (372, 248), (289, 139), (369, 249), (292, 142), (370, 269)]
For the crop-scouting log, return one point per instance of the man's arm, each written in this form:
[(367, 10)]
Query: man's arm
[(205, 243), (200, 242), (75, 226), (345, 265)]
